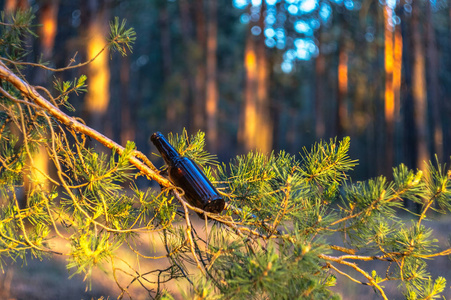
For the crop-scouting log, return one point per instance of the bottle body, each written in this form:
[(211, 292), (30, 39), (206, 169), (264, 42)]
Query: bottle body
[(186, 174), (199, 191)]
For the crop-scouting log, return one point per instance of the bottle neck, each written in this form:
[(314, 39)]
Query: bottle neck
[(167, 151)]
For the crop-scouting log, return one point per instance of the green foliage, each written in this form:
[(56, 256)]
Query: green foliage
[(192, 147), (271, 271), (428, 290), (14, 29), (64, 88), (121, 38), (438, 186), (326, 163), (90, 250)]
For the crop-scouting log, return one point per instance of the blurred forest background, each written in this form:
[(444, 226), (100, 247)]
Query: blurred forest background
[(261, 74)]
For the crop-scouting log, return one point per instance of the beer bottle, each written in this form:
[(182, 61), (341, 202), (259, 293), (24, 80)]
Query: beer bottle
[(186, 174)]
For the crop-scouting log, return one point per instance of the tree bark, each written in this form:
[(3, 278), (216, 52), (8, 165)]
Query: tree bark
[(264, 134), (128, 127), (434, 86), (249, 111), (256, 126), (165, 38), (212, 95), (199, 95), (49, 21), (342, 91), (98, 72), (320, 75), (419, 90), (12, 5), (407, 105), (389, 107), (397, 69)]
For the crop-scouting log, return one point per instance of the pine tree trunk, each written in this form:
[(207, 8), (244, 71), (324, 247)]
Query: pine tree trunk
[(249, 112), (433, 85), (12, 5), (419, 90), (264, 133), (342, 90), (187, 83), (212, 94), (397, 69), (165, 39), (48, 19), (128, 127), (320, 75), (256, 124), (98, 72), (166, 53), (199, 94), (389, 108), (408, 126)]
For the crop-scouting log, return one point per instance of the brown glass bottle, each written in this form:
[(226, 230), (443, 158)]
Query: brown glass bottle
[(186, 174)]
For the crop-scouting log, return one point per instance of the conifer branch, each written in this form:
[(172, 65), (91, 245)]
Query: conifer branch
[(329, 265), (358, 269), (29, 92)]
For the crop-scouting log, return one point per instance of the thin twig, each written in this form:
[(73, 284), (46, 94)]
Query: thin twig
[(355, 267)]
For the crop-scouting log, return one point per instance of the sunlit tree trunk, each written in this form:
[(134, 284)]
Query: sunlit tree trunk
[(38, 163), (187, 81), (397, 69), (98, 96), (265, 124), (165, 39), (166, 54), (128, 127), (408, 124), (419, 90), (256, 124), (199, 95), (192, 14), (48, 19), (12, 5), (249, 112), (389, 107), (320, 75), (433, 86), (342, 91), (211, 80)]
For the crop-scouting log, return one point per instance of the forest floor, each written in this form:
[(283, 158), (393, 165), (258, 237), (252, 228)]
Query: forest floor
[(49, 279)]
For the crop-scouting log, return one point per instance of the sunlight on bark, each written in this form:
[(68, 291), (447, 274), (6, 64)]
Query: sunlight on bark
[(250, 110), (419, 90), (343, 72), (212, 95), (49, 13), (397, 69), (12, 5), (98, 96), (389, 64)]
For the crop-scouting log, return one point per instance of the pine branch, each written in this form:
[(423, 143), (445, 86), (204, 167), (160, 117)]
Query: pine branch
[(29, 92), (120, 39), (358, 269)]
